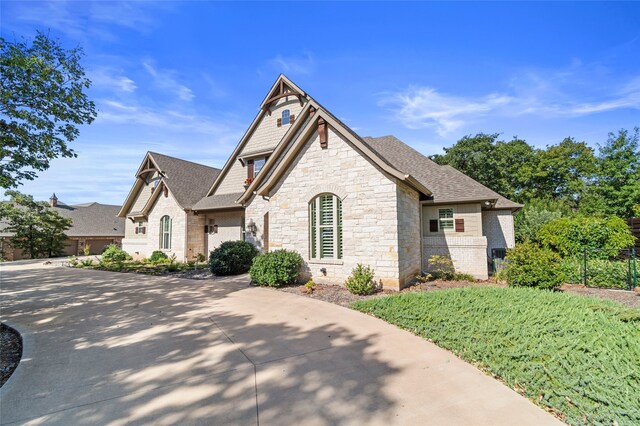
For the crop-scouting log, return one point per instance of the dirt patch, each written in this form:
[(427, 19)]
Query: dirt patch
[(10, 352), (626, 297)]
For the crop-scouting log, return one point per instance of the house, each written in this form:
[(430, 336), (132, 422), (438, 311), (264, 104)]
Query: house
[(302, 180), (92, 224)]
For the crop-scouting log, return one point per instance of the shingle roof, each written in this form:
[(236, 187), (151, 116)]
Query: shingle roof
[(88, 220), (218, 201), (188, 181), (447, 184)]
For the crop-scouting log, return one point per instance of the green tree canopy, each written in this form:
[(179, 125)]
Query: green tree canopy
[(42, 104), (37, 230)]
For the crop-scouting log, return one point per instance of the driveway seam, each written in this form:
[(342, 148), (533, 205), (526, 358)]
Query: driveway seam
[(255, 370)]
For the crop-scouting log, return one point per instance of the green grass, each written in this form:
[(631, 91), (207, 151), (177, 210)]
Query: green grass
[(575, 355)]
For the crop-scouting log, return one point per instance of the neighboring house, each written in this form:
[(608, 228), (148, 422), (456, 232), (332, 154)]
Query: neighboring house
[(301, 179), (93, 224)]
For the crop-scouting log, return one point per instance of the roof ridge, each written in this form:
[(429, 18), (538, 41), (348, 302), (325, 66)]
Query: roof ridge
[(183, 160)]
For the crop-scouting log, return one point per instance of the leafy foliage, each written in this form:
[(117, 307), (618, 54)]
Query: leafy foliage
[(113, 253), (276, 268), (530, 219), (604, 273), (528, 265), (361, 281), (158, 256), (232, 258), (570, 236), (37, 230), (441, 267), (43, 104), (570, 354)]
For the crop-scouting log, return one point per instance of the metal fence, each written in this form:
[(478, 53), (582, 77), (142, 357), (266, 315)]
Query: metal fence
[(610, 268)]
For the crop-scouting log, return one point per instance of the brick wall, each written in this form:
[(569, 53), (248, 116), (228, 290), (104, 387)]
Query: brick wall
[(498, 227), (469, 254)]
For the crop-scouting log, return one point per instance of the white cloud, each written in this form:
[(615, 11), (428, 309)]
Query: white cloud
[(112, 79), (304, 64), (561, 94), (166, 80)]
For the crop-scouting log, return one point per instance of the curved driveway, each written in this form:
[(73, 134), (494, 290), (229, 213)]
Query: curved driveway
[(111, 348)]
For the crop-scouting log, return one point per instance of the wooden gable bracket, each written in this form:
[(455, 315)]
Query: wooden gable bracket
[(323, 132), (282, 93)]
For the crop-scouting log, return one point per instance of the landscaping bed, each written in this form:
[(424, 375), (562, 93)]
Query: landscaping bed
[(575, 356), (10, 352)]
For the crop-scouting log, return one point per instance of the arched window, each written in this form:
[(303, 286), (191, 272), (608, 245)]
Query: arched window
[(285, 117), (325, 227), (165, 233)]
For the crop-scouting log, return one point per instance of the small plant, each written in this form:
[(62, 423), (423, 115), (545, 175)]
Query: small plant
[(73, 261), (361, 281), (459, 276), (113, 253), (276, 268), (200, 258), (86, 263), (158, 257), (529, 265), (310, 286), (232, 258), (442, 267), (86, 250), (423, 278)]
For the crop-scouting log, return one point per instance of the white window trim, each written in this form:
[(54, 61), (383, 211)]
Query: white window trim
[(448, 220), (163, 232)]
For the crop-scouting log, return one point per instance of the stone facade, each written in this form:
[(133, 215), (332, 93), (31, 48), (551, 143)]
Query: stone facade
[(229, 228), (370, 202), (408, 229)]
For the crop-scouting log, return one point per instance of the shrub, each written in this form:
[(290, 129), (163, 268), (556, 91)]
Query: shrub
[(601, 272), (531, 218), (113, 253), (158, 256), (73, 261), (276, 268), (86, 250), (86, 263), (441, 267), (361, 281), (528, 265), (310, 286), (232, 258), (570, 236)]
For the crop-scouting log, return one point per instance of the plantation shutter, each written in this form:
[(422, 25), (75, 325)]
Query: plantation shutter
[(327, 216), (279, 122), (292, 119), (459, 225), (433, 225), (313, 228)]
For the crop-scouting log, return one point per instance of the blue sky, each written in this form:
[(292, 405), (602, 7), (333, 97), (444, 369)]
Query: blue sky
[(186, 78)]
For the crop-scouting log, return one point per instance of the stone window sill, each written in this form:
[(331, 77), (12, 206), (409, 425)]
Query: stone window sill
[(326, 262)]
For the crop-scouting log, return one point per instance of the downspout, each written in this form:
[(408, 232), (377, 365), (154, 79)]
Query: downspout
[(421, 236)]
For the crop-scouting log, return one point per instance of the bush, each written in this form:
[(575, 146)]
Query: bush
[(113, 253), (441, 267), (528, 265), (601, 272), (361, 281), (531, 218), (158, 256), (276, 268), (232, 258), (570, 236)]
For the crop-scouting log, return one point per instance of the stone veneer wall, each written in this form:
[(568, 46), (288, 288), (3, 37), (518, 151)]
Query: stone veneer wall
[(498, 227), (144, 247), (408, 233), (195, 236), (369, 205)]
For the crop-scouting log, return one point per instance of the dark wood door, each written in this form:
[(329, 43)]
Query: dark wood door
[(265, 233)]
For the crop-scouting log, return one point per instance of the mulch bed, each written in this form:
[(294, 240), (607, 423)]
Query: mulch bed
[(341, 296), (10, 352)]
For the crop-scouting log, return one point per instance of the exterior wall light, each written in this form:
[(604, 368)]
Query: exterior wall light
[(252, 227)]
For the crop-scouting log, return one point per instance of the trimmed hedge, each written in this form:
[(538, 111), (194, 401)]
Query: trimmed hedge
[(528, 265), (232, 258), (276, 268)]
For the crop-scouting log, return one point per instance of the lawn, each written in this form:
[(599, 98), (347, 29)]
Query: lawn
[(576, 356)]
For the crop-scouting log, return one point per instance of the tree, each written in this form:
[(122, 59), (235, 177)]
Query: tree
[(505, 167), (37, 229), (618, 173), (564, 172), (42, 104)]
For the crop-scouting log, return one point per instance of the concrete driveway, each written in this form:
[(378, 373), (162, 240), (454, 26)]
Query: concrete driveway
[(110, 348)]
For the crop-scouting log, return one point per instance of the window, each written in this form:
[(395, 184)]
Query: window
[(141, 229), (285, 117), (445, 217), (325, 227), (165, 233), (257, 165)]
